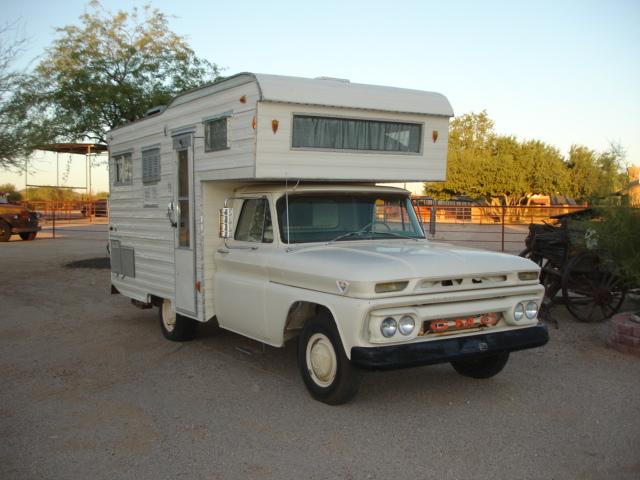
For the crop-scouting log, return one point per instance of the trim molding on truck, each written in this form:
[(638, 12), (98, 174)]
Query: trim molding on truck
[(445, 350)]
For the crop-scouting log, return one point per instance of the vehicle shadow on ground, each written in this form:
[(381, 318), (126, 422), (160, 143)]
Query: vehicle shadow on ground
[(433, 383)]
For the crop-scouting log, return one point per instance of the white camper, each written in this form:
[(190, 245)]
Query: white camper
[(252, 202)]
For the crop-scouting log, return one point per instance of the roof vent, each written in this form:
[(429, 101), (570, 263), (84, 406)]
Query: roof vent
[(155, 110), (333, 79)]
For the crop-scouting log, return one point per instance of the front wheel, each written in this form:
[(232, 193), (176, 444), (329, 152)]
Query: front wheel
[(28, 236), (5, 231), (481, 367), (174, 326), (326, 371)]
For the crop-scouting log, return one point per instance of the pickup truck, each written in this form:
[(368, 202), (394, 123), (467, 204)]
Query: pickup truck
[(16, 219), (368, 290)]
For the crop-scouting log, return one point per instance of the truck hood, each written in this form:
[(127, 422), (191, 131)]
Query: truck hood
[(425, 265), (12, 209)]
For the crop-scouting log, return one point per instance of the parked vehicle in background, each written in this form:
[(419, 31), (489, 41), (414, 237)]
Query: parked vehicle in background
[(98, 208), (17, 220)]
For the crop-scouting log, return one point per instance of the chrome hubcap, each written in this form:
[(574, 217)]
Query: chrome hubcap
[(168, 316), (321, 360)]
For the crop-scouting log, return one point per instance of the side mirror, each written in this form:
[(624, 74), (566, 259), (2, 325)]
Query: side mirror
[(226, 223), (432, 221)]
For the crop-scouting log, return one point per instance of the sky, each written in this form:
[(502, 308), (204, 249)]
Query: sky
[(564, 72)]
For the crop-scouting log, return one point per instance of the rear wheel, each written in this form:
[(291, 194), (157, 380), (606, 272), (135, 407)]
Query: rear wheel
[(326, 371), (175, 327), (28, 236), (5, 231), (482, 367)]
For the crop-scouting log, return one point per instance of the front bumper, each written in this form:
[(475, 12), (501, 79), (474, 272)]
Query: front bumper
[(25, 224), (448, 349), (29, 229)]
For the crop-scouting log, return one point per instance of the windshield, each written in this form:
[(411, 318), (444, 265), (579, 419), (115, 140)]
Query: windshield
[(346, 216)]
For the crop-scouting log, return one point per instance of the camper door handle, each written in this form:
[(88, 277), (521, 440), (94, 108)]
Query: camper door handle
[(171, 214), (223, 251)]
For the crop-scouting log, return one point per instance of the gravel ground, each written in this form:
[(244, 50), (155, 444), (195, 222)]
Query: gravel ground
[(90, 389)]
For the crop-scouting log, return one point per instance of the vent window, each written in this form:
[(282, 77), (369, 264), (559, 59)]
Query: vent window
[(215, 135), (151, 165)]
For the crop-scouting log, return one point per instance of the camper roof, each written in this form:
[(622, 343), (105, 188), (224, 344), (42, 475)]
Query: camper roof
[(331, 92)]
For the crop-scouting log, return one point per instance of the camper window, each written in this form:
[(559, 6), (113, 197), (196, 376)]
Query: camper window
[(151, 165), (355, 134), (215, 135), (254, 224), (122, 167)]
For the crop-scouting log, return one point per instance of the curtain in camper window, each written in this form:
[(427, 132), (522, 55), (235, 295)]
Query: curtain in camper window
[(353, 134), (123, 171)]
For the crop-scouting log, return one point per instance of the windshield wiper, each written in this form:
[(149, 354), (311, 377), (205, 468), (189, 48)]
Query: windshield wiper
[(369, 232), (399, 235), (348, 234)]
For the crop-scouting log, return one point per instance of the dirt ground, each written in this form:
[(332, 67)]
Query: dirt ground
[(90, 389)]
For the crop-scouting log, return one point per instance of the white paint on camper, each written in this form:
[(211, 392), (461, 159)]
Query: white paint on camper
[(333, 92), (276, 157), (253, 155)]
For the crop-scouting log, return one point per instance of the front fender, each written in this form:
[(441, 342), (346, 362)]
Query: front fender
[(347, 312)]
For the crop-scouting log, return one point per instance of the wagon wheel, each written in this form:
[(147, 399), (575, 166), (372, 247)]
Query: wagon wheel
[(591, 292)]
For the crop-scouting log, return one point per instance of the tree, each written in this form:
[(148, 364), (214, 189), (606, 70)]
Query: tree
[(595, 175), (543, 167), (583, 171), (610, 163), (9, 190), (109, 70), (470, 140), (482, 164), (13, 123)]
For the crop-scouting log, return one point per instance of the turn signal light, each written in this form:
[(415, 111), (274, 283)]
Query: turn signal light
[(527, 276), (390, 287)]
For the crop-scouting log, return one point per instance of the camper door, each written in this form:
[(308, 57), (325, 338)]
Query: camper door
[(184, 251)]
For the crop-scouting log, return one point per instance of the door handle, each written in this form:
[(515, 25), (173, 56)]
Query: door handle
[(223, 251), (171, 214)]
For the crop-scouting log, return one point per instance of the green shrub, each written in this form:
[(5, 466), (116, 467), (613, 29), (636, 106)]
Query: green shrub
[(618, 235)]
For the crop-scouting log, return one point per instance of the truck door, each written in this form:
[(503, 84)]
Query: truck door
[(241, 275), (185, 242)]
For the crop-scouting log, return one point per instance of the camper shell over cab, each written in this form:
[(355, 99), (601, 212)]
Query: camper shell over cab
[(253, 202)]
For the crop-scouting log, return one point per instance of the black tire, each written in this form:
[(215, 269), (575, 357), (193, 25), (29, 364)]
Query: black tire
[(28, 236), (5, 231), (482, 367), (175, 327), (335, 386)]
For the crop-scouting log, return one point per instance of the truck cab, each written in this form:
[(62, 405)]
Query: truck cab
[(349, 271)]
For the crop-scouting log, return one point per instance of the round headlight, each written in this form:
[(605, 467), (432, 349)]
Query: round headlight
[(531, 310), (388, 327), (518, 312), (406, 325)]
